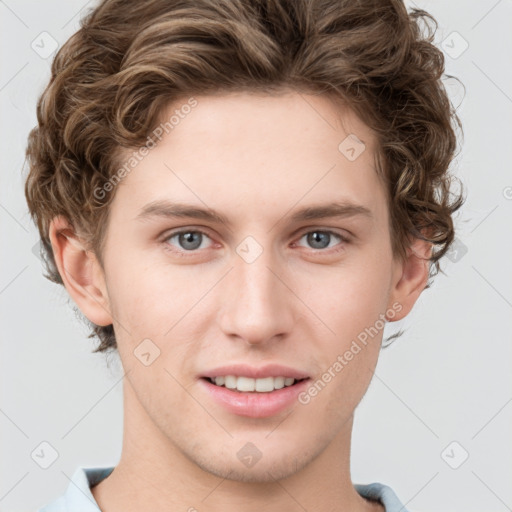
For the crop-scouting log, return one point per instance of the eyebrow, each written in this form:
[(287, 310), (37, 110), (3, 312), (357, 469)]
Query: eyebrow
[(171, 210)]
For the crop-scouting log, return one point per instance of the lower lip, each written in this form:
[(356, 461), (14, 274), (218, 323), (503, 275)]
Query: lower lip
[(254, 404)]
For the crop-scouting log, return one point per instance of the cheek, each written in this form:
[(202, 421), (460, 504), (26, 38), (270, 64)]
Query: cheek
[(348, 298), (161, 306), (349, 301), (150, 298)]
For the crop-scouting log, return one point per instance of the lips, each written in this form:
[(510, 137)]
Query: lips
[(237, 389), (241, 370), (253, 404)]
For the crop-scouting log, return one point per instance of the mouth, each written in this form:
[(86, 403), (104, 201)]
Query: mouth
[(244, 384), (255, 397), (254, 391)]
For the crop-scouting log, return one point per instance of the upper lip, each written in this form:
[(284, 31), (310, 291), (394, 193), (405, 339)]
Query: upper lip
[(243, 370)]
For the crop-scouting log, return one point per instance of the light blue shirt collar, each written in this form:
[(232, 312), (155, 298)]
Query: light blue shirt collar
[(78, 496)]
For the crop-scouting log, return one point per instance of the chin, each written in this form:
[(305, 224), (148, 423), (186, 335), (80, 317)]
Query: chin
[(261, 473), (267, 469)]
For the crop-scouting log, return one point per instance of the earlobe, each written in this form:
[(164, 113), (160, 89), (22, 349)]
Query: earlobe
[(80, 271), (410, 277)]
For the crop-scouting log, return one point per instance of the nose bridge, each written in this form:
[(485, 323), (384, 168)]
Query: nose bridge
[(256, 306), (255, 281)]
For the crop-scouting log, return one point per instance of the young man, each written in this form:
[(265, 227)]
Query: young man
[(237, 196)]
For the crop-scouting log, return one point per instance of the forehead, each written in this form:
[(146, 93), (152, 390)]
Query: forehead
[(238, 117), (252, 151)]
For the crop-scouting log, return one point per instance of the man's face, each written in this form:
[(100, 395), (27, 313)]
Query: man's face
[(262, 287)]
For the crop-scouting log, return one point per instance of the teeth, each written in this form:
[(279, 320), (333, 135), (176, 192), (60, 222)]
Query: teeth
[(229, 381), (246, 384)]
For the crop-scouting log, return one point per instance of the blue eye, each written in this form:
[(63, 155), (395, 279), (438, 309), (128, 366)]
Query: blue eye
[(188, 240), (319, 239)]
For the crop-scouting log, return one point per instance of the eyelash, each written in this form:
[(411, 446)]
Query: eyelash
[(184, 253)]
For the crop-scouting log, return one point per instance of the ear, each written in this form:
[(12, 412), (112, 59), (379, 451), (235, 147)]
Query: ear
[(410, 277), (80, 271)]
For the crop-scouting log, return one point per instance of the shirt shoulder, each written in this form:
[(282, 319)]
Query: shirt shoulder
[(383, 493), (78, 496)]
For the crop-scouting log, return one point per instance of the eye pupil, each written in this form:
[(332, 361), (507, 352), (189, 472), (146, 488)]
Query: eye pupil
[(190, 239), (319, 239)]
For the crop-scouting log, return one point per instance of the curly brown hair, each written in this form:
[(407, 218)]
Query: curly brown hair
[(112, 79)]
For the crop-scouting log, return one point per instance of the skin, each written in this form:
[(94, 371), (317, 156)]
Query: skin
[(256, 159)]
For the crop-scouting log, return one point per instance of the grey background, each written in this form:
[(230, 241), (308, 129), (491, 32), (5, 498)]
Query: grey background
[(448, 379)]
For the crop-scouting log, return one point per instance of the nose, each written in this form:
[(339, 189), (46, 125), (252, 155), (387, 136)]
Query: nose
[(257, 304)]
